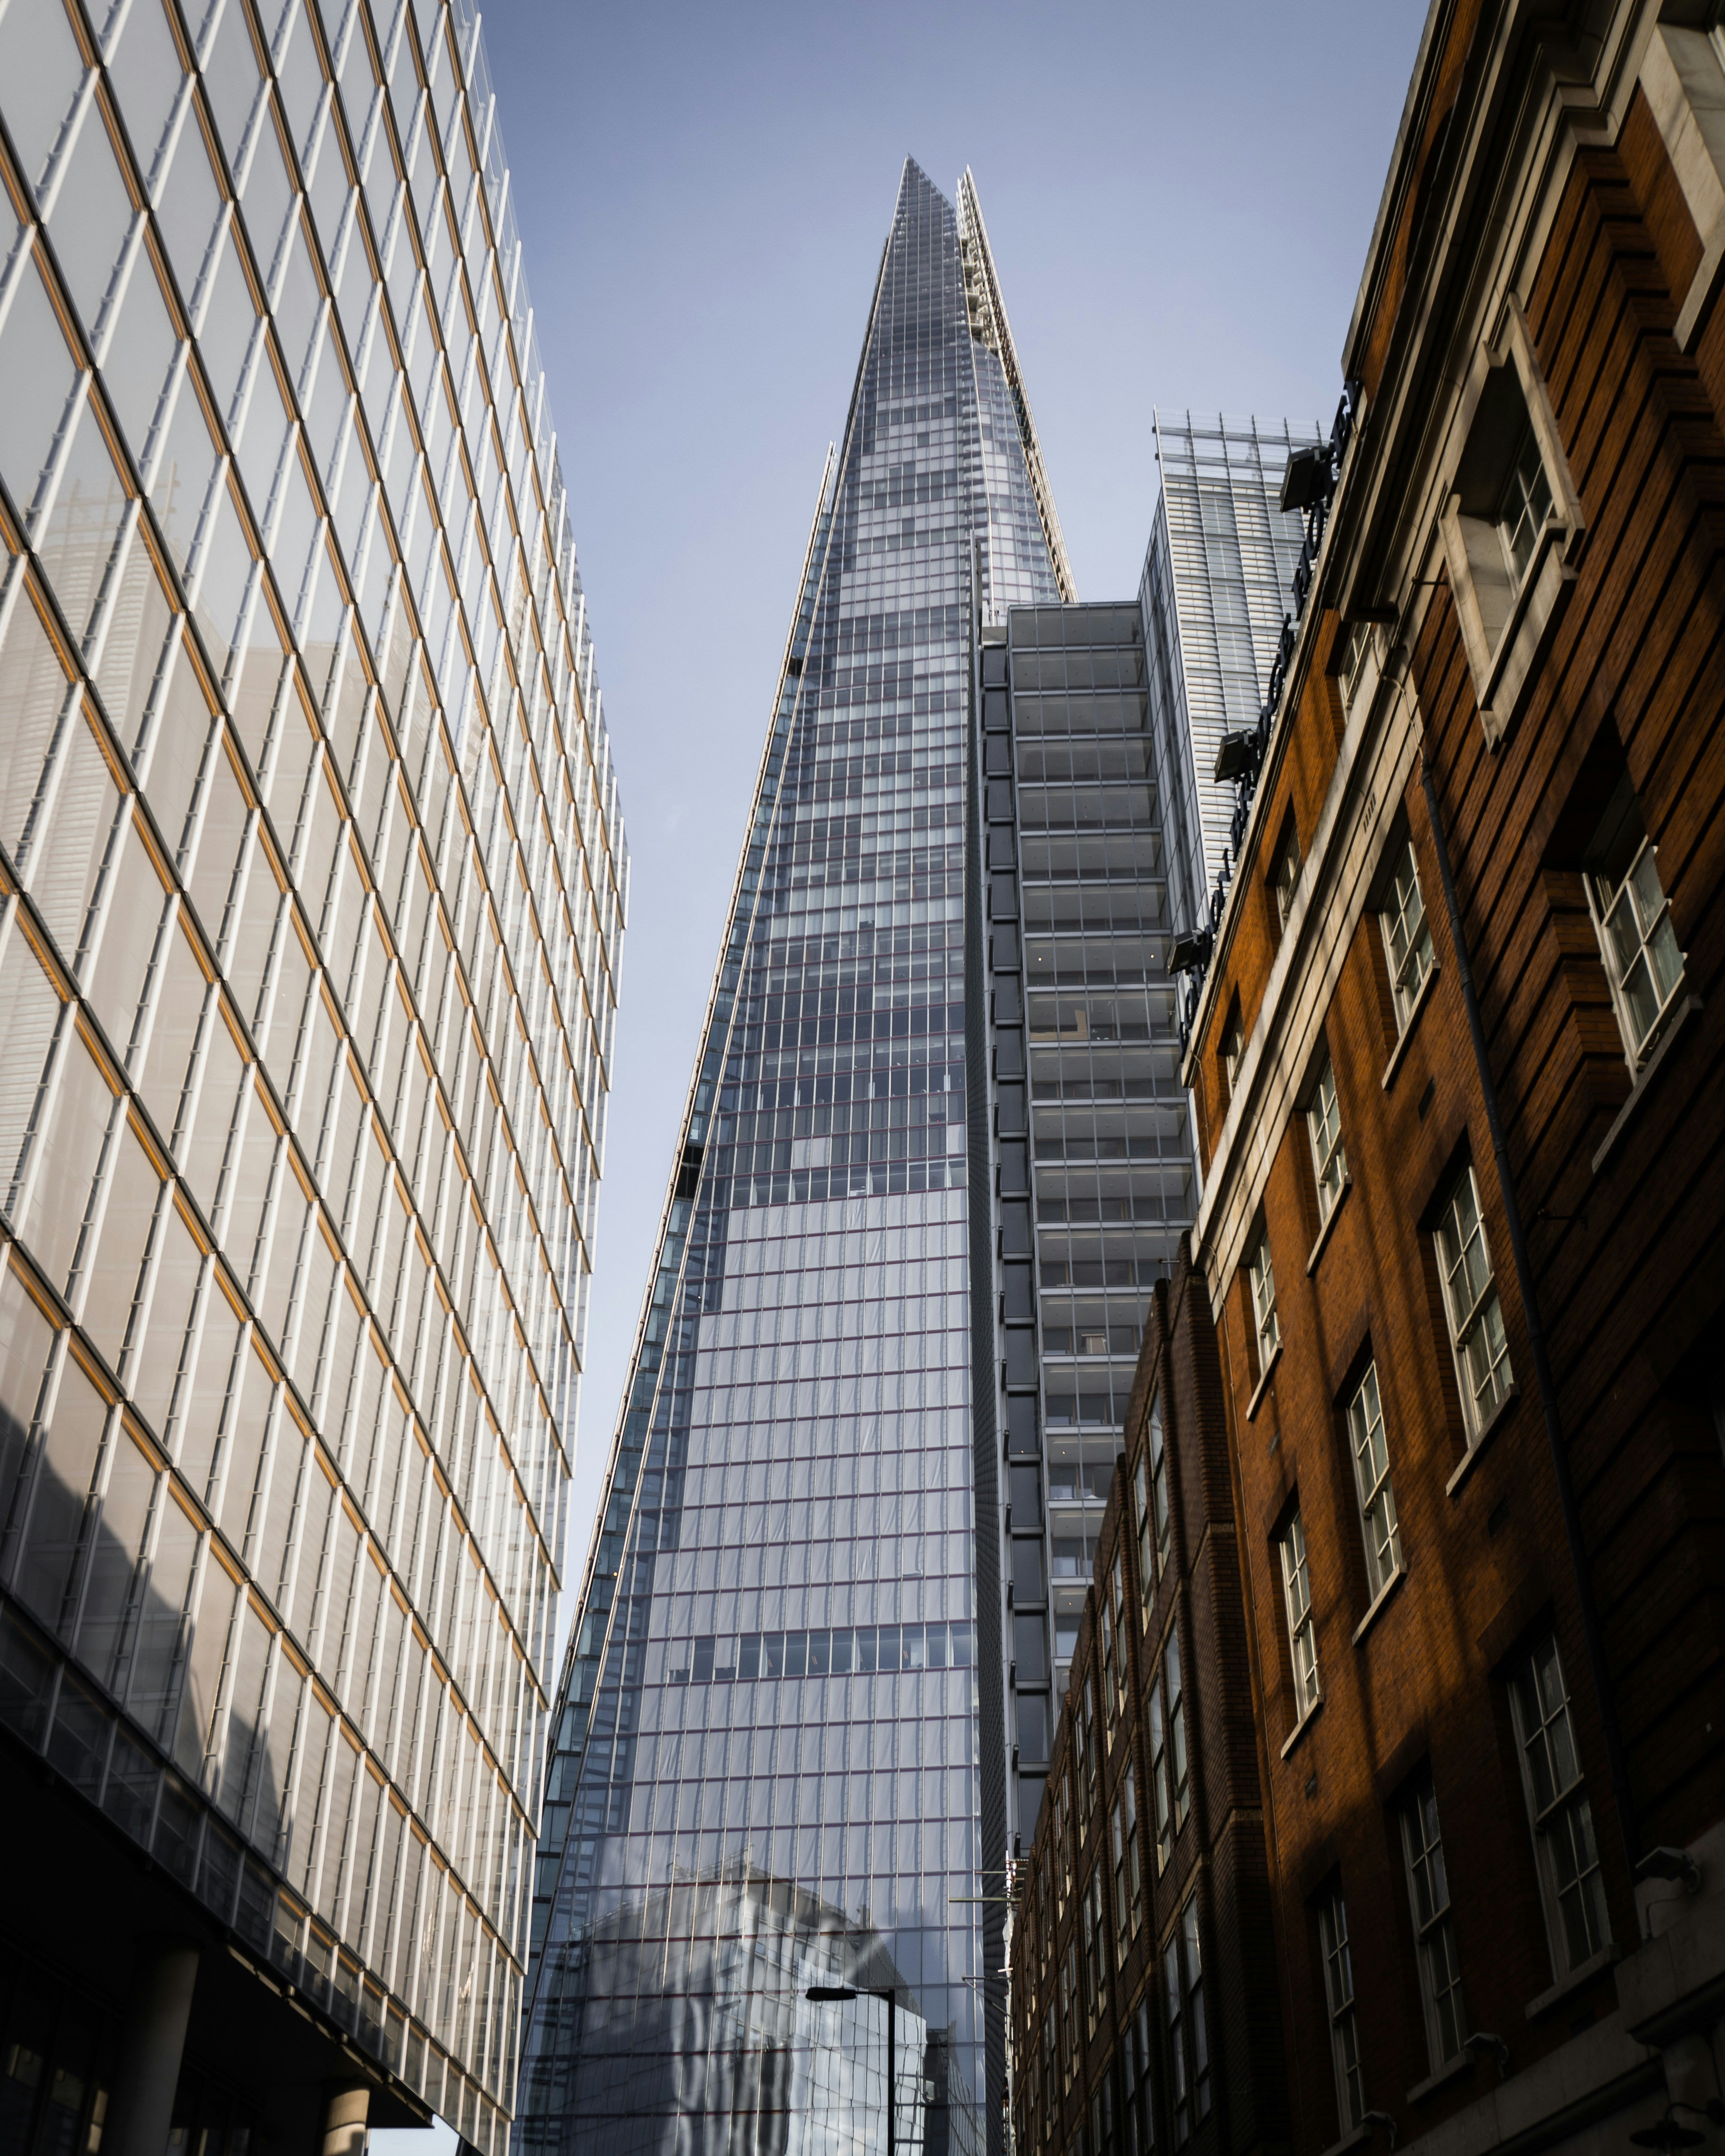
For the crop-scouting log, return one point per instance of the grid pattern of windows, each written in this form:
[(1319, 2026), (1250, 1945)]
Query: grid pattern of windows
[(1329, 1156), (1572, 1888), (1109, 1158), (1470, 1300), (1434, 1928), (793, 1453), (1372, 1485), (1338, 1996), (1407, 932), (1296, 1599), (313, 888)]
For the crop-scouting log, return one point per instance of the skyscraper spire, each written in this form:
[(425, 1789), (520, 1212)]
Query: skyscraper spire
[(988, 324), (765, 1770)]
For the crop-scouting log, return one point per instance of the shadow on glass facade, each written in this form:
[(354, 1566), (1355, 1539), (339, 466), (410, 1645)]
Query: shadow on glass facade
[(773, 1676), (312, 893)]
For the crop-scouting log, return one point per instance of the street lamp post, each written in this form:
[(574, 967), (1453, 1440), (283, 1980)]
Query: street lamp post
[(833, 1994)]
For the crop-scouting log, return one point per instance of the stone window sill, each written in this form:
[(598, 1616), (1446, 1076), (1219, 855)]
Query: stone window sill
[(1263, 1384), (1676, 1025), (1441, 2079), (1379, 1600), (1358, 2138), (1301, 1726), (1400, 1049), (1555, 1994), (1328, 1227), (1494, 1422)]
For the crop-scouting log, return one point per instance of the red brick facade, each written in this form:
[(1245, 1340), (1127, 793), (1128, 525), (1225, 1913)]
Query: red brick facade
[(1154, 1792), (1472, 949)]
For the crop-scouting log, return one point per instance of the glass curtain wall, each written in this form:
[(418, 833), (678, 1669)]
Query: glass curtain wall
[(768, 1727), (311, 892), (1215, 592), (1109, 1172)]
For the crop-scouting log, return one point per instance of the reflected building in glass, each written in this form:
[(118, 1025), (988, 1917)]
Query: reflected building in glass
[(782, 1704), (311, 894), (1215, 591)]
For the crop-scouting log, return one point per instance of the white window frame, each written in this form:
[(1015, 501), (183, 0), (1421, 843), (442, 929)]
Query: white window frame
[(1571, 1887), (1524, 505), (1407, 932), (1434, 1925), (1329, 1154), (1507, 611), (1355, 652), (1483, 1375), (1635, 908), (1338, 1997), (1367, 1441), (1260, 1283), (1233, 1048), (1296, 1605), (1284, 875)]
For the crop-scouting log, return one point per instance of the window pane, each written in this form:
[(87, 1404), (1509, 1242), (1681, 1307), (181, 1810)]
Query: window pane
[(33, 693), (92, 215), (37, 369)]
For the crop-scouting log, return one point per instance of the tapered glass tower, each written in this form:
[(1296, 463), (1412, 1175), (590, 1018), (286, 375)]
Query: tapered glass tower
[(769, 1752)]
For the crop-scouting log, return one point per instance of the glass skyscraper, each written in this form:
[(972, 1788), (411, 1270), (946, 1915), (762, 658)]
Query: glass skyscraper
[(1215, 590), (311, 892), (773, 1737), (1093, 1164)]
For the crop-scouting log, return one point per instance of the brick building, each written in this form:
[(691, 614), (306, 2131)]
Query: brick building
[(1143, 2009), (1456, 1049)]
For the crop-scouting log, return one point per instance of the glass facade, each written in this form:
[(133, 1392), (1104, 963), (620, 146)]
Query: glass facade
[(767, 1768), (1215, 592), (1093, 1156), (312, 893)]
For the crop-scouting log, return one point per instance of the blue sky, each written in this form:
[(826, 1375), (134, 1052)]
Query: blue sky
[(1179, 202)]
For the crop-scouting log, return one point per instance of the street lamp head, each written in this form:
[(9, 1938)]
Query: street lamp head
[(830, 1994)]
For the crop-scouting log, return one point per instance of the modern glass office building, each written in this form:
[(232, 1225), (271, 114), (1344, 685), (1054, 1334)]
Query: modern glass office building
[(771, 1764), (1215, 592), (1092, 1163), (311, 891)]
